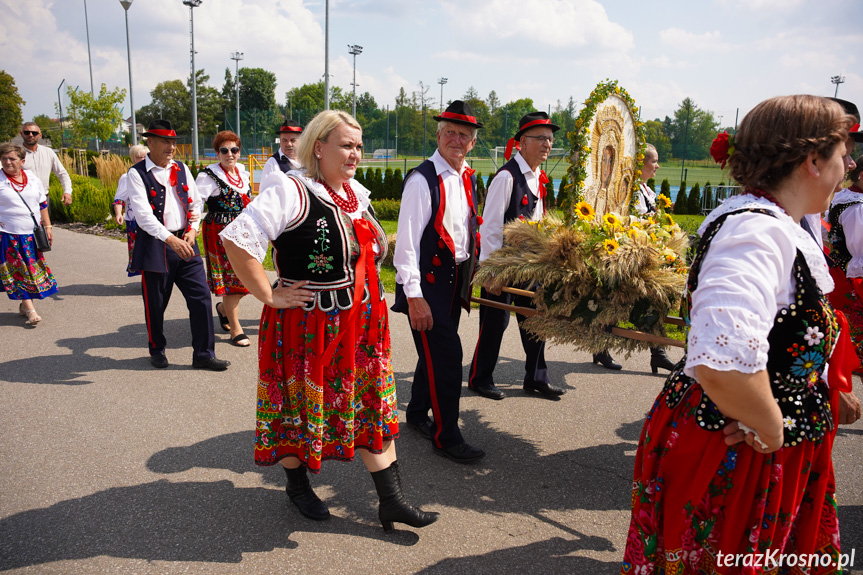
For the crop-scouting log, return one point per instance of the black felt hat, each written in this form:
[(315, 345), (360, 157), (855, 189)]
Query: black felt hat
[(459, 113), (290, 126), (851, 109), (532, 120), (161, 129)]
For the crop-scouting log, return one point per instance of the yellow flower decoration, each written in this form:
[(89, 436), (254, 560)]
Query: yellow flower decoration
[(584, 211), (633, 233), (610, 246), (667, 220), (611, 219), (663, 201)]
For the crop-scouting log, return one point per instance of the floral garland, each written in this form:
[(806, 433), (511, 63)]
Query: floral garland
[(580, 150)]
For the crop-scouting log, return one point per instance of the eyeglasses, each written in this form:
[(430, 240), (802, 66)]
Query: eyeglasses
[(30, 132), (542, 139), (233, 150), (453, 135)]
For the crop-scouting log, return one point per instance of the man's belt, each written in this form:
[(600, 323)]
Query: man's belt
[(179, 233)]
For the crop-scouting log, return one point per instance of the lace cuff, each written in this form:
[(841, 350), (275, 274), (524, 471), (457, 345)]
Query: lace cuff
[(725, 339), (247, 234), (855, 268)]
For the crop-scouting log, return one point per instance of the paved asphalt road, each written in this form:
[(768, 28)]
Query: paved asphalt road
[(109, 466)]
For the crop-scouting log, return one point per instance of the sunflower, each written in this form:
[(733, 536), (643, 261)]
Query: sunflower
[(663, 201), (584, 210), (667, 220), (610, 246), (632, 233), (611, 219)]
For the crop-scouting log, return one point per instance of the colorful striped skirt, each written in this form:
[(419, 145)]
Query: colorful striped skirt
[(23, 271), (220, 274)]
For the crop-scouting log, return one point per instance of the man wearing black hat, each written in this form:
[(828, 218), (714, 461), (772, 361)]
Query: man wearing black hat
[(435, 257), (285, 158), (164, 197), (517, 191)]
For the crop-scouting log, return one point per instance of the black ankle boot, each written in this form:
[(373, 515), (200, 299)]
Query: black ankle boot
[(605, 360), (658, 358), (393, 506), (300, 493)]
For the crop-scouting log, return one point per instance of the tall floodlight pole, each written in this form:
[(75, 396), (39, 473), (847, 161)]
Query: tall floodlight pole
[(126, 4), (60, 106), (327, 55), (441, 81), (89, 58), (237, 56), (355, 50), (192, 4), (837, 80)]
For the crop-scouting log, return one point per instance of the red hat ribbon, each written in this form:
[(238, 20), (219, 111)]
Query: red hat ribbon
[(290, 129), (512, 143), (454, 116), (165, 133), (534, 123)]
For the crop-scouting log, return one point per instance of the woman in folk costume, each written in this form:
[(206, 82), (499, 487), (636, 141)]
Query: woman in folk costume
[(137, 153), (326, 387), (224, 187), (734, 457)]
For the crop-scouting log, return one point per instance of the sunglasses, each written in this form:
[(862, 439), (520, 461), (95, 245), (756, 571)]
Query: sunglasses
[(233, 150), (30, 132)]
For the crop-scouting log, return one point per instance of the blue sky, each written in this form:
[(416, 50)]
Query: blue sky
[(724, 54)]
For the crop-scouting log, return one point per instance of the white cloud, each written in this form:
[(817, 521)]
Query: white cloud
[(685, 41)]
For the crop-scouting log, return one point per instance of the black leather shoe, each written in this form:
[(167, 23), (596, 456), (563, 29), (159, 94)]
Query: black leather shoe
[(489, 391), (159, 361), (425, 429), (606, 361), (461, 453), (211, 363), (545, 388), (658, 358)]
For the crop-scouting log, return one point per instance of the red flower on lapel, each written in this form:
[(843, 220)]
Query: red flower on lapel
[(430, 278), (436, 261)]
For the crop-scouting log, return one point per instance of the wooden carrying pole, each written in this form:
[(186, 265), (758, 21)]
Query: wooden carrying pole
[(618, 331)]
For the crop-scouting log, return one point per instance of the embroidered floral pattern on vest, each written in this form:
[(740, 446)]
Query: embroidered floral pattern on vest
[(320, 260)]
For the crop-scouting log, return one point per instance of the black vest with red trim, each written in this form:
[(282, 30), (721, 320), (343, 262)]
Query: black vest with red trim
[(149, 254), (283, 163), (517, 208), (437, 265), (839, 255)]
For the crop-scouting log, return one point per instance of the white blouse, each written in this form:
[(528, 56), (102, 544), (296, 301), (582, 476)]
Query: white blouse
[(208, 188), (746, 277), (14, 216), (276, 206), (641, 204), (122, 194), (852, 224)]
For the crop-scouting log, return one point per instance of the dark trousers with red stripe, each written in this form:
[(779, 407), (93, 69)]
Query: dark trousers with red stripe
[(492, 323), (438, 376), (191, 278)]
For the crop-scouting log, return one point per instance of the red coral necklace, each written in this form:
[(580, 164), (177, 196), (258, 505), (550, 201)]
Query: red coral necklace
[(238, 183), (16, 185), (349, 205)]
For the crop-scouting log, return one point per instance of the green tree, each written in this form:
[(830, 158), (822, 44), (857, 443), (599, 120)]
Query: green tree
[(360, 177), (398, 182), (665, 188), (257, 89), (378, 181), (94, 117), (694, 199), (10, 107), (549, 193), (388, 190), (169, 100), (654, 133), (651, 183), (210, 105), (561, 190), (696, 127), (681, 203)]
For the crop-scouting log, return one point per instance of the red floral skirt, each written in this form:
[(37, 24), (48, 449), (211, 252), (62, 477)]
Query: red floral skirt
[(314, 411), (846, 297), (220, 275), (694, 497), (131, 234)]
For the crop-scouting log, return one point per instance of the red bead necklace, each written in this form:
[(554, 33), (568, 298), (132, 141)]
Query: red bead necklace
[(16, 185), (762, 194), (238, 183), (349, 205)]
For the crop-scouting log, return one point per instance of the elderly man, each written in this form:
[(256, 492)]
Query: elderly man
[(435, 257), (285, 158), (163, 197), (517, 191), (42, 160)]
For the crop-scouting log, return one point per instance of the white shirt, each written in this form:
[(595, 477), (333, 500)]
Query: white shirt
[(273, 166), (746, 277), (279, 204), (498, 200), (44, 161), (14, 215), (852, 224), (174, 214), (208, 188), (415, 214), (641, 205), (122, 195)]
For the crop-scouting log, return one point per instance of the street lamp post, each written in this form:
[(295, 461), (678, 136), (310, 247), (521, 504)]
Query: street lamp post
[(90, 59), (355, 50), (837, 80), (126, 5), (327, 55), (236, 57), (192, 4), (60, 106), (441, 81)]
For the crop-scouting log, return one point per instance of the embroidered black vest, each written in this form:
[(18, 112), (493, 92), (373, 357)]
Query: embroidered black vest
[(795, 361), (284, 164), (320, 246), (517, 208), (437, 265), (149, 254), (839, 254), (224, 208)]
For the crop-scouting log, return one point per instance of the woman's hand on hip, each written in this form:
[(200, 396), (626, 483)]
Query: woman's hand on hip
[(291, 296)]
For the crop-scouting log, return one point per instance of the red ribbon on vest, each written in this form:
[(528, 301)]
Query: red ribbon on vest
[(367, 238), (543, 180), (844, 360), (510, 144)]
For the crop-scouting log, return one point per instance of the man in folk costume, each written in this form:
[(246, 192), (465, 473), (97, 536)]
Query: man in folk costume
[(517, 191), (163, 196), (285, 158), (435, 257)]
